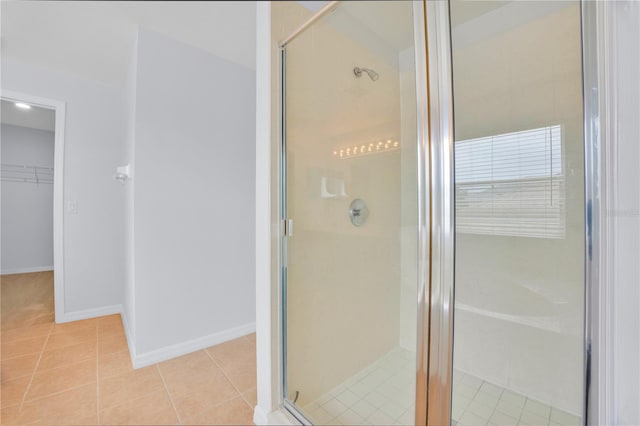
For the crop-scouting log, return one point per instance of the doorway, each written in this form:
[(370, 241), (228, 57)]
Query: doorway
[(32, 225)]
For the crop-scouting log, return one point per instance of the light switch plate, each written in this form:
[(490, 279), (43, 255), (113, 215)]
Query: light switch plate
[(72, 207)]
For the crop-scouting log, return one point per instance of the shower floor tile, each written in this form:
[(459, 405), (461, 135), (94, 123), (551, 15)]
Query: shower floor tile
[(384, 394), (381, 394), (477, 402)]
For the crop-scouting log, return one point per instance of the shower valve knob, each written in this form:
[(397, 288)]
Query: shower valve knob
[(358, 212)]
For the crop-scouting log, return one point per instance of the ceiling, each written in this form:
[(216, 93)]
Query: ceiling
[(35, 118), (95, 39)]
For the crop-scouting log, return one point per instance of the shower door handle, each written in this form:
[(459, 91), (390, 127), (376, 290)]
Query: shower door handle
[(287, 227)]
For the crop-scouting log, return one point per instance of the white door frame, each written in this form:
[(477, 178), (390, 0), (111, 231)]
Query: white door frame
[(58, 190)]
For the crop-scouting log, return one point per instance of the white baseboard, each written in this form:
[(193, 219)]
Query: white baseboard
[(26, 270), (277, 417), (162, 354), (89, 313), (128, 332), (168, 352)]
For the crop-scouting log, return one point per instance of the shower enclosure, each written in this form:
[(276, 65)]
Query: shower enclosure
[(350, 186), (434, 273)]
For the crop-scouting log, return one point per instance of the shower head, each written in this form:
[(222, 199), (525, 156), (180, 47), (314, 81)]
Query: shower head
[(371, 73)]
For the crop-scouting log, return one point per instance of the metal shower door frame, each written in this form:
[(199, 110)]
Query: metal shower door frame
[(425, 216), (442, 196), (436, 208)]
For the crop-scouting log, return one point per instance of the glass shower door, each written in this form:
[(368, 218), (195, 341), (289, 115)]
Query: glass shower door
[(350, 208), (519, 208)]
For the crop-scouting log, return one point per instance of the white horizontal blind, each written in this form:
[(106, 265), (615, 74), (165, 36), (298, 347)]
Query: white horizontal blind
[(511, 184)]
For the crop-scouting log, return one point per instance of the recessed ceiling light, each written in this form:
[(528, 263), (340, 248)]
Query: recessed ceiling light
[(22, 105)]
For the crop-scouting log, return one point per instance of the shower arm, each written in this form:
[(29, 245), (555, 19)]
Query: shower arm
[(357, 71)]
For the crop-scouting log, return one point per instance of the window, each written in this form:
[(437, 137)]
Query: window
[(511, 184)]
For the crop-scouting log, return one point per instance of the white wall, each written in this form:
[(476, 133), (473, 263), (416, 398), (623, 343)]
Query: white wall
[(194, 195), (27, 208), (94, 237), (622, 156), (130, 128)]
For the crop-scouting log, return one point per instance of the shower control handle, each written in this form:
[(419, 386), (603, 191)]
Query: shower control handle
[(358, 212)]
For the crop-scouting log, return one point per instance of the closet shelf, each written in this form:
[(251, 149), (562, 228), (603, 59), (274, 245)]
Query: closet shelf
[(24, 173)]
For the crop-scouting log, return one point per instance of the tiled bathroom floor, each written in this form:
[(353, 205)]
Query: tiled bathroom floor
[(80, 373), (477, 402), (382, 394)]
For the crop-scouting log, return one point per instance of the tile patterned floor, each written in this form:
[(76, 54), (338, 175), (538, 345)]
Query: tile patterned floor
[(80, 373), (381, 394), (479, 403), (27, 299)]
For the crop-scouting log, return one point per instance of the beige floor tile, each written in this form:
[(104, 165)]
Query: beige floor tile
[(238, 360), (87, 421), (63, 340), (243, 377), (228, 352), (112, 344), (48, 382), (18, 367), (234, 412), (204, 394), (73, 407), (23, 347), (75, 326), (251, 397), (110, 325), (45, 318), (72, 335), (26, 300), (152, 409), (195, 382), (64, 389), (114, 364), (12, 391), (193, 362), (13, 416), (251, 338), (25, 333), (54, 358), (118, 390)]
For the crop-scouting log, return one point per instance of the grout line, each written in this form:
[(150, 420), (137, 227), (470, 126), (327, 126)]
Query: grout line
[(58, 392), (247, 401), (371, 370), (224, 373), (26, 391), (166, 389)]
